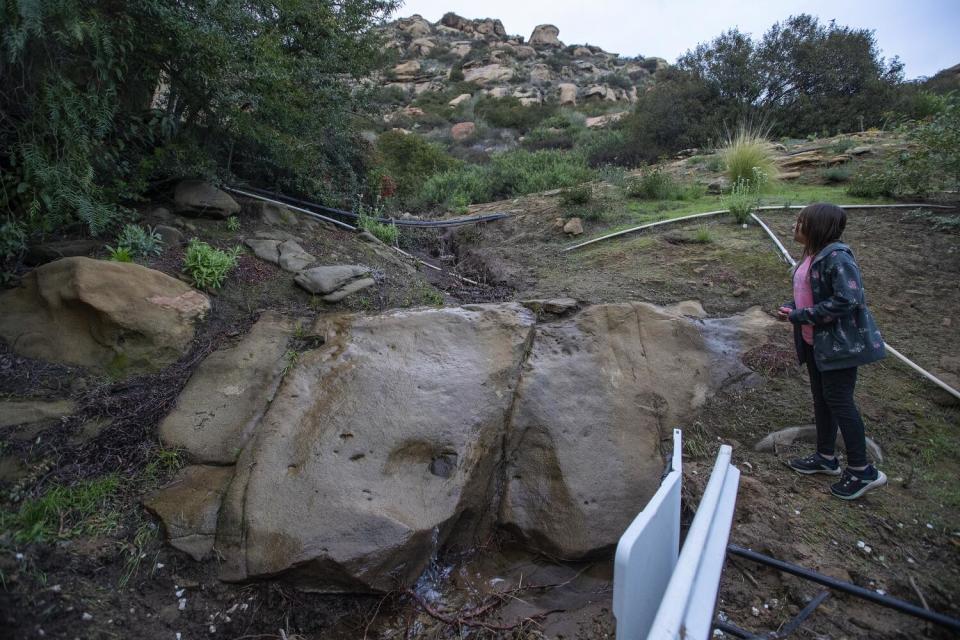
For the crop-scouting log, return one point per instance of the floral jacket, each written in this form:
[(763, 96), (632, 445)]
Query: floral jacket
[(844, 331)]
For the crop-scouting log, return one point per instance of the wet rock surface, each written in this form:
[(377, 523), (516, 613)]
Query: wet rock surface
[(481, 417)]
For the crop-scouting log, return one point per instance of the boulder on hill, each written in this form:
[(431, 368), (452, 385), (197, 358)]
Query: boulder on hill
[(568, 93), (199, 198), (463, 130), (422, 47), (545, 35), (408, 70), (415, 26), (484, 26), (481, 417), (105, 315), (488, 74)]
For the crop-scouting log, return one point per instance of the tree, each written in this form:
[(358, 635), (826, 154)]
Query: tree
[(114, 98)]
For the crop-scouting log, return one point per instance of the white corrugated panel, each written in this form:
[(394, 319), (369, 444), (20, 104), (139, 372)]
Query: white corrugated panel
[(647, 553)]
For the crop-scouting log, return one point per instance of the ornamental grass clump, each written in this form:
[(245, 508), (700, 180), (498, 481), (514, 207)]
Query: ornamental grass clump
[(208, 267), (748, 157)]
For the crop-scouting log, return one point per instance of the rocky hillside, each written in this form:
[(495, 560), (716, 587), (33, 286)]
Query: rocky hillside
[(435, 56)]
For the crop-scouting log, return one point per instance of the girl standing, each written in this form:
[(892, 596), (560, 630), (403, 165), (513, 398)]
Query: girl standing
[(834, 334)]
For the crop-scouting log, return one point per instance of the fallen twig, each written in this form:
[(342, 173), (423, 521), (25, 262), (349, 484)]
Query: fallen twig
[(461, 620)]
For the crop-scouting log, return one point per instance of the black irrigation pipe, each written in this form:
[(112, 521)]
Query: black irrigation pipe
[(866, 594), (784, 632), (454, 222)]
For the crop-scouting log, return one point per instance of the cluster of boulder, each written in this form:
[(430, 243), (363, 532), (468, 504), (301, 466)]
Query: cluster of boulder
[(540, 68), (390, 437)]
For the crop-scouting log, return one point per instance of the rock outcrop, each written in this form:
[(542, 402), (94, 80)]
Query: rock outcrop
[(399, 434), (101, 314), (545, 35)]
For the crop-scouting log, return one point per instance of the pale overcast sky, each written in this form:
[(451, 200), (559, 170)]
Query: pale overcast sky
[(924, 33)]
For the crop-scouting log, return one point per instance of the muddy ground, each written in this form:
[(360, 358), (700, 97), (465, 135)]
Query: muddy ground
[(120, 581)]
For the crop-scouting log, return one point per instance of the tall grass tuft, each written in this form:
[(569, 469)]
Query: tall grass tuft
[(748, 156)]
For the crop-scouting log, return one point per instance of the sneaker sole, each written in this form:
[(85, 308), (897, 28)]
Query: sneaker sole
[(879, 482), (810, 472)]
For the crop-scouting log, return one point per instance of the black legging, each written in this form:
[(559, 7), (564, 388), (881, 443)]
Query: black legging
[(833, 405)]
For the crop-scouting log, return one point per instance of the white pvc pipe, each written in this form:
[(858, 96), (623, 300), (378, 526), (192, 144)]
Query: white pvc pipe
[(763, 208), (899, 356)]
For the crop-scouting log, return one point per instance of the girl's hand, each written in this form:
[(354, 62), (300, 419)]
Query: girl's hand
[(783, 314)]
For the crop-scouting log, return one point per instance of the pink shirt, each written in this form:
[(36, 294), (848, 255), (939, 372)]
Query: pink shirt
[(803, 295)]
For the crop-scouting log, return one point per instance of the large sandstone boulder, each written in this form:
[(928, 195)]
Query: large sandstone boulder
[(101, 314), (545, 35), (223, 401), (410, 431), (198, 198), (416, 26), (377, 445), (597, 394), (463, 130), (406, 71)]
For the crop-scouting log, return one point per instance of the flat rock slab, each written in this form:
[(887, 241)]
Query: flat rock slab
[(327, 279), (808, 433), (292, 257), (189, 506), (406, 432), (96, 313), (29, 411), (228, 393)]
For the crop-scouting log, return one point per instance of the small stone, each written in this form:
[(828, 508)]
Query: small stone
[(946, 322), (86, 617), (740, 291), (755, 611), (182, 604), (574, 227)]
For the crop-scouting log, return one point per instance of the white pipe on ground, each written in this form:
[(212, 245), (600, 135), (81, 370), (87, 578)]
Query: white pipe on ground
[(899, 356), (763, 208)]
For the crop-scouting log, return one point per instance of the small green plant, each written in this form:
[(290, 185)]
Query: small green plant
[(749, 157), (140, 242), (290, 360), (233, 224), (836, 175), (119, 254), (652, 184), (385, 232), (578, 195), (85, 508), (703, 235), (208, 267), (742, 200)]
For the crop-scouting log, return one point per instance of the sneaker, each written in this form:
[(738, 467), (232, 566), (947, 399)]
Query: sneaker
[(854, 484), (815, 463)]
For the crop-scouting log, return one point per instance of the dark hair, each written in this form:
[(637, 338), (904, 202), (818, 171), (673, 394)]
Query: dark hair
[(821, 224)]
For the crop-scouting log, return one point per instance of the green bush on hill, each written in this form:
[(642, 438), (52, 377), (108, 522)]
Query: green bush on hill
[(508, 174), (510, 113), (410, 160)]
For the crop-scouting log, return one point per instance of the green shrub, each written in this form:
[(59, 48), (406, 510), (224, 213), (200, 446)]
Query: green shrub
[(510, 113), (742, 200), (842, 146), (65, 512), (410, 160), (652, 184), (836, 175), (508, 174), (384, 231), (13, 240), (579, 195), (749, 157), (233, 224), (548, 138), (876, 183), (208, 267), (141, 242)]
